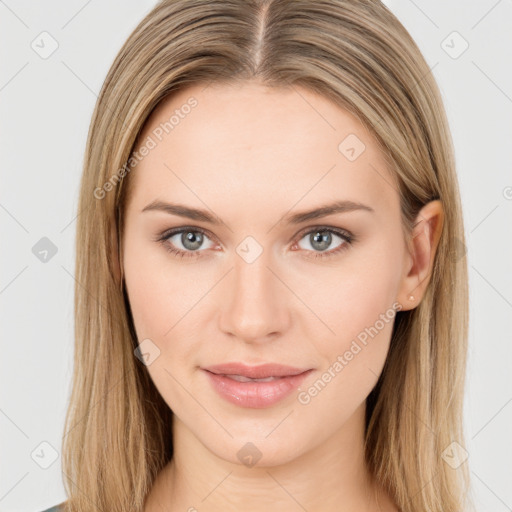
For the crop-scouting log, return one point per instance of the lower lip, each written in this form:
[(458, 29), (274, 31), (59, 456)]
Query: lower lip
[(256, 395)]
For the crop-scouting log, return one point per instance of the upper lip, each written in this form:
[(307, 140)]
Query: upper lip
[(255, 372)]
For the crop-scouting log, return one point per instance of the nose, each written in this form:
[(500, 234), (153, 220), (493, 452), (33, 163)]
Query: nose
[(255, 302)]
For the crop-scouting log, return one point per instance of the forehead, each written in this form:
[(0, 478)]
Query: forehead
[(251, 142)]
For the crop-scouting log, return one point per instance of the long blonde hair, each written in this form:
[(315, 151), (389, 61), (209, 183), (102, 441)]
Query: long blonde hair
[(357, 54)]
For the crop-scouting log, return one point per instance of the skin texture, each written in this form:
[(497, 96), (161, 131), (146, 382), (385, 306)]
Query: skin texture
[(250, 155)]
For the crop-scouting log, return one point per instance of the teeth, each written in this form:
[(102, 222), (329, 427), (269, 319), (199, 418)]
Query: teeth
[(242, 378)]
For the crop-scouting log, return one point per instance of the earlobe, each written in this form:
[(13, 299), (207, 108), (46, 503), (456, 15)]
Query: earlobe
[(423, 245)]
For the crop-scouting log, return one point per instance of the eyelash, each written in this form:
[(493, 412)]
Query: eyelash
[(347, 237)]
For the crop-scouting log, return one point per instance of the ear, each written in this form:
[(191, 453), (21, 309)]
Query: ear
[(422, 246)]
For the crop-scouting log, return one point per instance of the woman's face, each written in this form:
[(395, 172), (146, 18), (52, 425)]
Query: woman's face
[(261, 283)]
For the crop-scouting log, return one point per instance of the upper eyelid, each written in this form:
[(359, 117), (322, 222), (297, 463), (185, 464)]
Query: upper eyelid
[(324, 228)]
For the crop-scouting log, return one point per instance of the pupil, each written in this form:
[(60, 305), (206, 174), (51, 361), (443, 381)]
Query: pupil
[(324, 240)]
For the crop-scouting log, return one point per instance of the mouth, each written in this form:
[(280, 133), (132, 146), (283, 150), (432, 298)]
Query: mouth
[(243, 378), (255, 373), (255, 387)]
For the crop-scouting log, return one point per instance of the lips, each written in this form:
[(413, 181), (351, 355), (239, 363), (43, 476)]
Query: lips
[(239, 371), (255, 386)]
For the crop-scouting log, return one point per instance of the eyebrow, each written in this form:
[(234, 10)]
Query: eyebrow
[(295, 218)]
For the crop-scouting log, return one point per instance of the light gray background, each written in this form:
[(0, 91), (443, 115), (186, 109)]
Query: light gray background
[(45, 109)]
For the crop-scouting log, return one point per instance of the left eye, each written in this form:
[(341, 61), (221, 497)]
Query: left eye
[(320, 240)]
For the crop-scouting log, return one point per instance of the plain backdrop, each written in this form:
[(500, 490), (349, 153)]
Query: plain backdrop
[(46, 102)]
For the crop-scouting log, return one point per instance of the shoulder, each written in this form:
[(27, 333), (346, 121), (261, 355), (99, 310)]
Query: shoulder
[(56, 508)]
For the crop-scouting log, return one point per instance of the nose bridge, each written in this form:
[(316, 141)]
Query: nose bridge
[(255, 307)]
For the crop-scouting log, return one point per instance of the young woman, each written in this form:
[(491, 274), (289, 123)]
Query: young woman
[(271, 309)]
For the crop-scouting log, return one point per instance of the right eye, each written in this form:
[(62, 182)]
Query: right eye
[(184, 242)]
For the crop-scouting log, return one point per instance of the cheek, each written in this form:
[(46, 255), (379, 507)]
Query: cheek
[(150, 302), (359, 304), (160, 299), (354, 294), (167, 301), (160, 294)]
